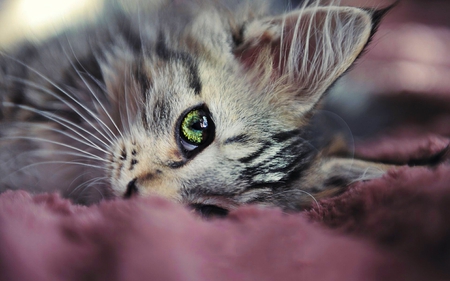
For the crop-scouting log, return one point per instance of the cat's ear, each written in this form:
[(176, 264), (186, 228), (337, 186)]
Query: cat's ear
[(299, 55)]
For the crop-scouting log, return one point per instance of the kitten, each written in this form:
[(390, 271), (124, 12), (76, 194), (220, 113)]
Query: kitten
[(204, 103)]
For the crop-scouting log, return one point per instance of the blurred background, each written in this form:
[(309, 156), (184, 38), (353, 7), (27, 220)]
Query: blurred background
[(400, 86), (403, 80), (36, 19)]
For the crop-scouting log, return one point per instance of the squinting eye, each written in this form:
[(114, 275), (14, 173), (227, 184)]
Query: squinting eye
[(196, 130)]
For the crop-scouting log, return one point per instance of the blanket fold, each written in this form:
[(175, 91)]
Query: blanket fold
[(45, 237)]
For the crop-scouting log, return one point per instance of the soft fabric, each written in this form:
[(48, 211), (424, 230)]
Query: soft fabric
[(47, 238), (393, 228)]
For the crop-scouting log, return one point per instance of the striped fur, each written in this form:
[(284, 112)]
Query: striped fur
[(95, 112)]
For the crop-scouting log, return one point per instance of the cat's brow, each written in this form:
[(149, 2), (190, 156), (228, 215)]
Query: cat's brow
[(242, 138), (167, 54)]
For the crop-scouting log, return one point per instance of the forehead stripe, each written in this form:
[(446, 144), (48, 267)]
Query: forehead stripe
[(166, 54)]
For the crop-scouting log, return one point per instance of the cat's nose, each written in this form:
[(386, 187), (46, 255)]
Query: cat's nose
[(131, 190)]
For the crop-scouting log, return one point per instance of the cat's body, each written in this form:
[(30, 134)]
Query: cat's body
[(205, 104)]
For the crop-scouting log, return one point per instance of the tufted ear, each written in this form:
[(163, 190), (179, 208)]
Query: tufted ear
[(299, 55)]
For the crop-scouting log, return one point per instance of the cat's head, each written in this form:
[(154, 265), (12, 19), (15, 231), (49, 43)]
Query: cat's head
[(213, 108)]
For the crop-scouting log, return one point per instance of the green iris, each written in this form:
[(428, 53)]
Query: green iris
[(194, 127)]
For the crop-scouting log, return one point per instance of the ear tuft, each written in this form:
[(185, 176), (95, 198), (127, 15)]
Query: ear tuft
[(299, 55), (379, 14)]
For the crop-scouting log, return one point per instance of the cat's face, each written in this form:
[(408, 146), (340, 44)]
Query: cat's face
[(214, 115), (213, 147)]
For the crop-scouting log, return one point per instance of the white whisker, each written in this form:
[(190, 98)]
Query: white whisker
[(127, 109), (80, 176), (57, 119), (63, 152), (60, 89), (87, 184), (111, 133), (52, 162), (53, 142), (37, 86), (64, 162), (313, 198)]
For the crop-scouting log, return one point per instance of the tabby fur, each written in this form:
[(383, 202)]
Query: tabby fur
[(94, 112)]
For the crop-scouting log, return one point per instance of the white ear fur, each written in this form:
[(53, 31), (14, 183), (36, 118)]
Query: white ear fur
[(300, 54)]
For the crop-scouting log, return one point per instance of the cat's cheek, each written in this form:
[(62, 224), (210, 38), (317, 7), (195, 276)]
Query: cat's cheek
[(117, 189)]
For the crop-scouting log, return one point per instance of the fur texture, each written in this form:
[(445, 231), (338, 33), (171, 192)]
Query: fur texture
[(97, 111)]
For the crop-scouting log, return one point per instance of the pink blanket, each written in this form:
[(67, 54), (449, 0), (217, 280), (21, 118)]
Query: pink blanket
[(395, 228)]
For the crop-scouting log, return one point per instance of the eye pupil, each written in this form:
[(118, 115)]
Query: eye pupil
[(201, 124), (195, 129)]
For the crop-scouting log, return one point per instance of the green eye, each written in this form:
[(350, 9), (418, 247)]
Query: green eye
[(196, 129)]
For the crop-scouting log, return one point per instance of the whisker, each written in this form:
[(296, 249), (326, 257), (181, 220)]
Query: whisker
[(72, 137), (302, 191), (94, 182), (32, 84), (345, 125), (50, 116), (55, 118), (53, 142), (126, 102), (52, 162), (95, 80), (75, 179), (104, 109), (92, 92), (64, 152), (87, 184), (313, 198), (377, 172), (27, 82), (63, 162)]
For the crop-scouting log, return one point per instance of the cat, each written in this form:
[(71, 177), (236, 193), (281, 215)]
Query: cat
[(204, 103)]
